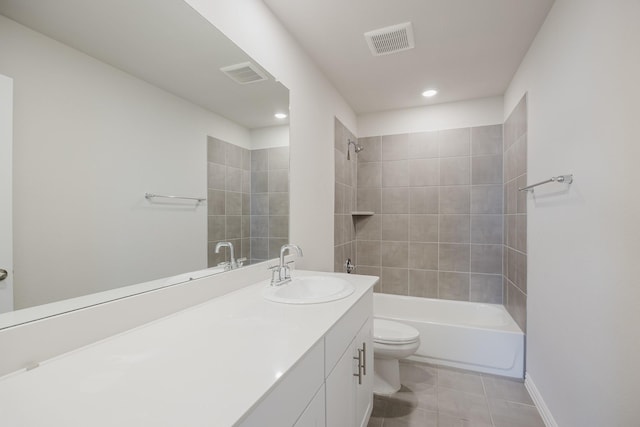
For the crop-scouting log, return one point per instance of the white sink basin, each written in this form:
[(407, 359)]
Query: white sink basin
[(309, 290)]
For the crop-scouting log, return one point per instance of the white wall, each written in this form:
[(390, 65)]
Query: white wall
[(89, 141), (269, 137), (6, 188), (452, 115), (581, 75), (314, 103)]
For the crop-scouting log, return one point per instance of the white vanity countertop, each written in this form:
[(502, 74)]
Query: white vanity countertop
[(207, 365)]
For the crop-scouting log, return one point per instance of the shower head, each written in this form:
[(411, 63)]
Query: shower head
[(356, 147)]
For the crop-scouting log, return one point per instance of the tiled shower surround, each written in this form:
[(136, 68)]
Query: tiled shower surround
[(248, 200), (228, 192), (269, 202), (437, 227), (515, 208), (345, 197)]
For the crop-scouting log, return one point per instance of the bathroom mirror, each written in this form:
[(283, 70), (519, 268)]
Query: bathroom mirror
[(113, 100)]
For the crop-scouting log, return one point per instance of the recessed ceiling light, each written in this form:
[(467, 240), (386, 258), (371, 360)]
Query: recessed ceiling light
[(429, 93), (280, 116)]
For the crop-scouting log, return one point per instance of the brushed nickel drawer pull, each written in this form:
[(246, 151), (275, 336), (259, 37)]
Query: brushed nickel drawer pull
[(364, 358), (359, 359)]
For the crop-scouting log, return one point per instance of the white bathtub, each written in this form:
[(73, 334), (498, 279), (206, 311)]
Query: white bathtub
[(475, 336)]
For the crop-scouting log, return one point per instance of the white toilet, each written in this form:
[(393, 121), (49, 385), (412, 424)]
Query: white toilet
[(391, 341)]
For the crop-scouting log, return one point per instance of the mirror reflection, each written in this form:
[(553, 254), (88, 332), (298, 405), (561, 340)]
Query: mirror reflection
[(248, 194), (112, 100)]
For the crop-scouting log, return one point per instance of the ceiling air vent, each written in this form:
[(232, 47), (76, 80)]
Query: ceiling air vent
[(244, 73), (395, 38)]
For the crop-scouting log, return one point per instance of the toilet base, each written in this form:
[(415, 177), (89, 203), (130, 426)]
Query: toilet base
[(386, 379)]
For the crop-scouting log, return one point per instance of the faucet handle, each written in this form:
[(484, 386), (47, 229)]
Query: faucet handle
[(225, 264), (287, 270), (290, 267), (275, 271)]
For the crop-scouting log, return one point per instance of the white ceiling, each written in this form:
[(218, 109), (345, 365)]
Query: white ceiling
[(164, 42), (465, 48)]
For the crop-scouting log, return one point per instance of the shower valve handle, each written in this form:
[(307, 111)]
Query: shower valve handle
[(349, 266)]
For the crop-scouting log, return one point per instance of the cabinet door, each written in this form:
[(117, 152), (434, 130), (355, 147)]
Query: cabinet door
[(364, 391), (340, 391), (314, 415), (349, 401)]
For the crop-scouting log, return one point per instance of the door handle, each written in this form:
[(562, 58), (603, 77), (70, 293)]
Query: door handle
[(3, 274)]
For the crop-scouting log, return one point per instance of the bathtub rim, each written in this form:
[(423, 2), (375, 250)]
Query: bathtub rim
[(510, 333), (510, 327)]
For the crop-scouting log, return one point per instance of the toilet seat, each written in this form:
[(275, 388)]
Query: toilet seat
[(390, 332)]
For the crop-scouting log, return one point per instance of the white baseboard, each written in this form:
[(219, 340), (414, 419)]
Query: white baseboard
[(537, 399)]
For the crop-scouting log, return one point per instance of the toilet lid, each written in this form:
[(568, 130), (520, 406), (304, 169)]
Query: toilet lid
[(390, 332)]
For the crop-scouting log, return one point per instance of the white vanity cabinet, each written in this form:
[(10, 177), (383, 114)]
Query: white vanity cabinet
[(364, 389), (280, 365), (314, 415), (335, 370), (349, 382), (298, 390)]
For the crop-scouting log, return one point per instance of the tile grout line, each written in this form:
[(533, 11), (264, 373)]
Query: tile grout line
[(486, 398)]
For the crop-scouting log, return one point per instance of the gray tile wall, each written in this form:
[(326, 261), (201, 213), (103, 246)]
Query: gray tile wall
[(269, 222), (248, 200), (344, 197), (437, 230), (515, 208), (228, 188)]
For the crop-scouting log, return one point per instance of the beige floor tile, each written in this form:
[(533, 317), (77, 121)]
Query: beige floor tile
[(418, 376), (506, 389), (417, 418), (375, 422), (469, 406), (379, 407), (511, 414), (400, 410), (462, 381), (445, 420), (425, 397), (444, 397)]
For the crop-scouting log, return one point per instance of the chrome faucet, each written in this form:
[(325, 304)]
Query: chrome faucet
[(232, 263), (281, 273)]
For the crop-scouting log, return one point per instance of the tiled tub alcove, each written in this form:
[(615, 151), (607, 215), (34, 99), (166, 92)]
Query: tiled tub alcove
[(515, 209), (248, 200), (344, 197), (437, 198)]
